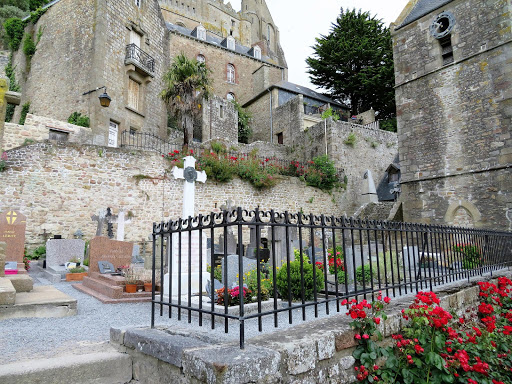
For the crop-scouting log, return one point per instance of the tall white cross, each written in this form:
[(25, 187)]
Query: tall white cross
[(121, 221), (190, 175)]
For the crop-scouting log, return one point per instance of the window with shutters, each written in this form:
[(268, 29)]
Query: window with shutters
[(133, 94)]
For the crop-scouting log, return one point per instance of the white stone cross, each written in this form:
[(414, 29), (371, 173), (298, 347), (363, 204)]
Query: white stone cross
[(190, 175), (121, 221)]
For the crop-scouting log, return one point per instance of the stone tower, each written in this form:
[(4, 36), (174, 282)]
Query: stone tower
[(453, 65)]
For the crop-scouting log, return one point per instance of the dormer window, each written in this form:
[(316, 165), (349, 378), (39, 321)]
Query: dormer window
[(201, 32), (138, 3), (257, 52), (231, 43)]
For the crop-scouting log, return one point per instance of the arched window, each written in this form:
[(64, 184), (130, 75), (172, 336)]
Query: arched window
[(201, 32), (231, 73), (268, 33), (230, 96), (231, 42), (201, 58), (257, 52)]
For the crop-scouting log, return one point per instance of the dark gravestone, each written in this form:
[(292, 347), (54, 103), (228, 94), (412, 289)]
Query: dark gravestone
[(106, 267), (216, 286)]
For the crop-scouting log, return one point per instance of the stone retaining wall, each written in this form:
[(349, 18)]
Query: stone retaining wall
[(319, 351)]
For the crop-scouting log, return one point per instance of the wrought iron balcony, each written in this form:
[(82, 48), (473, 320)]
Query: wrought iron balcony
[(140, 59)]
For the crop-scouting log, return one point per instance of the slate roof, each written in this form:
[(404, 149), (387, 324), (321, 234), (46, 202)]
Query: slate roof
[(217, 41), (299, 90), (422, 8)]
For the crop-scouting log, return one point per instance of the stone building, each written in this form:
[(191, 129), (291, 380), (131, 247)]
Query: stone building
[(124, 47), (453, 65)]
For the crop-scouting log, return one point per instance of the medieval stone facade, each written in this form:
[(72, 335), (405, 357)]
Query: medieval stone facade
[(453, 65), (125, 47)]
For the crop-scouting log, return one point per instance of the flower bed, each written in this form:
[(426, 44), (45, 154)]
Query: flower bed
[(435, 346)]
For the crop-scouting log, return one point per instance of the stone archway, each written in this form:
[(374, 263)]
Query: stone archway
[(463, 213)]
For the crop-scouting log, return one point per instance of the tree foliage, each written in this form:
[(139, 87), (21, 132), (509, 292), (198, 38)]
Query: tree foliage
[(187, 82), (244, 120), (354, 63)]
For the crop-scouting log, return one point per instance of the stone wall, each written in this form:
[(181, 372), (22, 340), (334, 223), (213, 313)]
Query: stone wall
[(288, 119), (37, 128), (261, 107), (217, 59), (83, 47), (319, 351), (454, 120), (220, 120), (374, 149), (58, 186)]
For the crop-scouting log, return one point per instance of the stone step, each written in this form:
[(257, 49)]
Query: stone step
[(125, 298), (94, 368), (42, 301), (103, 287), (7, 292), (22, 283), (111, 280)]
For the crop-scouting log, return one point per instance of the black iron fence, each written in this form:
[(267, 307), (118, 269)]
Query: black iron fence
[(133, 52), (286, 262), (151, 142)]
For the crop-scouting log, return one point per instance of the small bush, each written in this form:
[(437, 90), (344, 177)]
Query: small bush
[(217, 272), (321, 174), (368, 276), (86, 262), (24, 112), (218, 148), (471, 255), (29, 47), (35, 4), (392, 270), (76, 118), (77, 270), (351, 140), (244, 119), (14, 30), (217, 167), (295, 280)]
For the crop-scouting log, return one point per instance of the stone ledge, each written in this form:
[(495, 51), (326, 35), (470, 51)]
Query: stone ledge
[(22, 283), (7, 292)]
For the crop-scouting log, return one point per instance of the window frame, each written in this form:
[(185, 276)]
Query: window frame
[(231, 73), (230, 43), (230, 96), (257, 52)]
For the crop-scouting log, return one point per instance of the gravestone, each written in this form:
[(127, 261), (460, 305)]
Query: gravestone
[(136, 258), (216, 286), (121, 222), (101, 248), (280, 244), (106, 267), (2, 259), (100, 218), (197, 246), (231, 263), (318, 256), (231, 243), (58, 252), (12, 232)]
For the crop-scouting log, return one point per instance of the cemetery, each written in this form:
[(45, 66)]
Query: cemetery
[(265, 237)]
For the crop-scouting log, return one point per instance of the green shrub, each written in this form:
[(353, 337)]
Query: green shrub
[(9, 112), (218, 147), (217, 272), (38, 253), (24, 111), (321, 173), (393, 267), (471, 255), (266, 282), (14, 30), (29, 47), (368, 276), (244, 119), (295, 280), (329, 112), (351, 139), (77, 270), (35, 4), (218, 168), (9, 72), (76, 118), (252, 171)]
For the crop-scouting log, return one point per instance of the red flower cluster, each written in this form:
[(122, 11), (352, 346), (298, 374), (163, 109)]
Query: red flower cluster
[(427, 298), (485, 309), (363, 372), (357, 310)]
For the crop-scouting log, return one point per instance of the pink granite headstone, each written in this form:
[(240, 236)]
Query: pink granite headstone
[(12, 232)]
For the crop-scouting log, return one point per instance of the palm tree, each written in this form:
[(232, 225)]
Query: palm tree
[(187, 83)]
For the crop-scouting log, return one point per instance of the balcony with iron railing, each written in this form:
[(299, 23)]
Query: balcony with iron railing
[(140, 59)]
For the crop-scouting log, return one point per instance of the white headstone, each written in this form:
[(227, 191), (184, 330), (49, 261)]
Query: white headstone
[(190, 175), (121, 221), (369, 191)]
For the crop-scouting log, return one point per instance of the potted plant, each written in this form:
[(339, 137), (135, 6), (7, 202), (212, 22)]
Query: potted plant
[(76, 274), (147, 279), (131, 278)]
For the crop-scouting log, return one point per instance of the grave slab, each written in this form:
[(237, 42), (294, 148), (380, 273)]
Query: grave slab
[(7, 292), (21, 283), (232, 268), (119, 253), (58, 252), (12, 232)]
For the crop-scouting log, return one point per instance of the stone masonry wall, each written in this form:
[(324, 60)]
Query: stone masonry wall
[(455, 120), (37, 128), (374, 149), (217, 59), (58, 186), (289, 118), (261, 108), (83, 47), (217, 124)]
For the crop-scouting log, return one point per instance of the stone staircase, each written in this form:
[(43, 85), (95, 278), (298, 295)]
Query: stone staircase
[(109, 289)]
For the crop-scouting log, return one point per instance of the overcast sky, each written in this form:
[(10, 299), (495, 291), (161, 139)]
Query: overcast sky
[(301, 21)]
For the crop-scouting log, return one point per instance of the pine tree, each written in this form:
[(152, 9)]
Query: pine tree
[(354, 63)]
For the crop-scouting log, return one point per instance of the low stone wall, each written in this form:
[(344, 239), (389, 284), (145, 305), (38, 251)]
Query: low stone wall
[(319, 351), (58, 186), (37, 128)]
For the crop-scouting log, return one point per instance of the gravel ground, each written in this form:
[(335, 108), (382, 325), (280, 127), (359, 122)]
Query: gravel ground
[(89, 330)]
